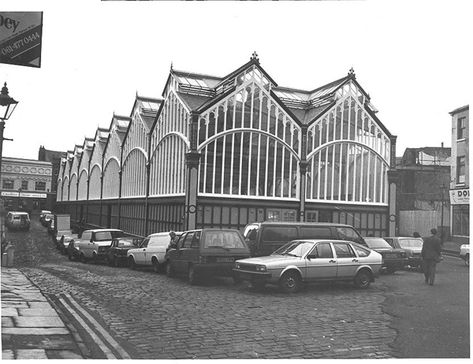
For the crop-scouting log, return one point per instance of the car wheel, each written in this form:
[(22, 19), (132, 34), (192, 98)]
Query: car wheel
[(192, 275), (362, 279), (236, 278), (169, 270), (290, 282), (131, 263), (109, 260), (467, 260), (156, 266), (94, 259)]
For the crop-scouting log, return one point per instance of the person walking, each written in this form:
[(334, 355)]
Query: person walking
[(430, 256)]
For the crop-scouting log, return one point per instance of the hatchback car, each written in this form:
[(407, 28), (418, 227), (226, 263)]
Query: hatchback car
[(152, 251), (393, 259), (94, 244), (312, 261), (465, 253), (412, 246), (206, 252), (117, 254), (17, 220)]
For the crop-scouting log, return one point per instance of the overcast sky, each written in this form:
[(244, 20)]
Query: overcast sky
[(413, 58)]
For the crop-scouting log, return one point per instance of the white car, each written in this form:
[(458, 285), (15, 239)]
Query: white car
[(94, 244), (151, 251), (311, 261), (465, 253)]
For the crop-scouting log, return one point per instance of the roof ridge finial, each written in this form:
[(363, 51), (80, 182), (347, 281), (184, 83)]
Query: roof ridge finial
[(351, 73), (254, 57)]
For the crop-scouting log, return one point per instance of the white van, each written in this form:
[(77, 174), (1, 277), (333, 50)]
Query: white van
[(151, 251)]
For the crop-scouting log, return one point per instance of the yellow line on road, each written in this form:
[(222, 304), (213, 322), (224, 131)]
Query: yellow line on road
[(99, 328), (94, 336)]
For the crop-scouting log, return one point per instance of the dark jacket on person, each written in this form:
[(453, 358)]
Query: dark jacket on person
[(431, 248)]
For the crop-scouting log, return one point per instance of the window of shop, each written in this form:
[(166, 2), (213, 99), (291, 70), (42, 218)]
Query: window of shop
[(40, 186), (461, 220), (461, 169), (461, 128), (8, 184), (24, 185)]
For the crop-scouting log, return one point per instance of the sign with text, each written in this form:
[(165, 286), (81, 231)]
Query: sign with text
[(460, 197), (20, 38), (23, 194)]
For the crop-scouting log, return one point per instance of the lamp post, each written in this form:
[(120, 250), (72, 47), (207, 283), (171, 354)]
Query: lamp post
[(7, 106)]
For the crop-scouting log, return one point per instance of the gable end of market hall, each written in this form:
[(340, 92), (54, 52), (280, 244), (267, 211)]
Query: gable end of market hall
[(228, 151)]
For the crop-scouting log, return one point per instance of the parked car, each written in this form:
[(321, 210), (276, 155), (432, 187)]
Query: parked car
[(94, 244), (465, 253), (206, 252), (117, 254), (263, 238), (64, 240), (46, 220), (151, 251), (393, 258), (17, 220), (412, 246), (312, 261), (42, 214)]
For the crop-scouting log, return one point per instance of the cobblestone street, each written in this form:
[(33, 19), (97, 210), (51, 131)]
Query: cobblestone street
[(152, 316)]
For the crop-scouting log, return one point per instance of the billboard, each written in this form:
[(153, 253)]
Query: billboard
[(460, 196), (20, 38)]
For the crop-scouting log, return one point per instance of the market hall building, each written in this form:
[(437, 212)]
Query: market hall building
[(228, 151)]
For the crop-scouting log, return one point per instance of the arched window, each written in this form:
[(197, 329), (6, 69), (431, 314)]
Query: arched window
[(111, 179)]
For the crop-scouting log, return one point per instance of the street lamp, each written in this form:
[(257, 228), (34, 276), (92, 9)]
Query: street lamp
[(7, 106)]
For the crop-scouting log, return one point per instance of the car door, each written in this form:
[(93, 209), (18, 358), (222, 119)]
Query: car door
[(347, 261), (321, 263), (183, 254), (151, 249), (141, 252), (84, 244)]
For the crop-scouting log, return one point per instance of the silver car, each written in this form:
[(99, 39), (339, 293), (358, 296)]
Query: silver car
[(310, 261)]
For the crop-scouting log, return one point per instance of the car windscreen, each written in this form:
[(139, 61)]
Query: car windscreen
[(125, 243), (376, 243), (223, 239), (294, 248), (410, 243), (108, 235)]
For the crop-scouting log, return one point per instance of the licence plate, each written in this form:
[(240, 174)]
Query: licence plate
[(225, 260)]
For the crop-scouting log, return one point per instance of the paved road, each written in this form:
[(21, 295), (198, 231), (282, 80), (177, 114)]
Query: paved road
[(152, 316)]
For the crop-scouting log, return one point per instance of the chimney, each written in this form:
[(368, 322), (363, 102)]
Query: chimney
[(441, 144)]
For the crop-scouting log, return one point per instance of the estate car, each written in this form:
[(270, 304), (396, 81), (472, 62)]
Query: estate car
[(94, 244), (205, 252)]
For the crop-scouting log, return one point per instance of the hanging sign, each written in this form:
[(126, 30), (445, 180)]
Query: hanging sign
[(20, 38), (460, 197)]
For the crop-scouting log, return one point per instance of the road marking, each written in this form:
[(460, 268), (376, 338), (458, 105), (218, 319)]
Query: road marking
[(94, 336), (110, 340)]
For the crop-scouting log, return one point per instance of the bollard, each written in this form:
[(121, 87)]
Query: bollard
[(10, 252)]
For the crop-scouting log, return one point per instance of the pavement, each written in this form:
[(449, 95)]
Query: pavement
[(31, 327)]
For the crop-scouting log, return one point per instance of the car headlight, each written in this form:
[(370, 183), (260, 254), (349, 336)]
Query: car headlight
[(261, 268), (237, 265)]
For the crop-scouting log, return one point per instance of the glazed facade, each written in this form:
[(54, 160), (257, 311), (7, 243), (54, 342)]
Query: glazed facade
[(228, 151)]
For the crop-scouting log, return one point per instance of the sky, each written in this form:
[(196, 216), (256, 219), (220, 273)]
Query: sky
[(412, 57)]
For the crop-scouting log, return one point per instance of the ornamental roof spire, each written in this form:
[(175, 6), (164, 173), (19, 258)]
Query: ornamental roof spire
[(351, 73), (254, 57)]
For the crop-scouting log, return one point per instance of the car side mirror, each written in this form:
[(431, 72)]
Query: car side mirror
[(312, 256)]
